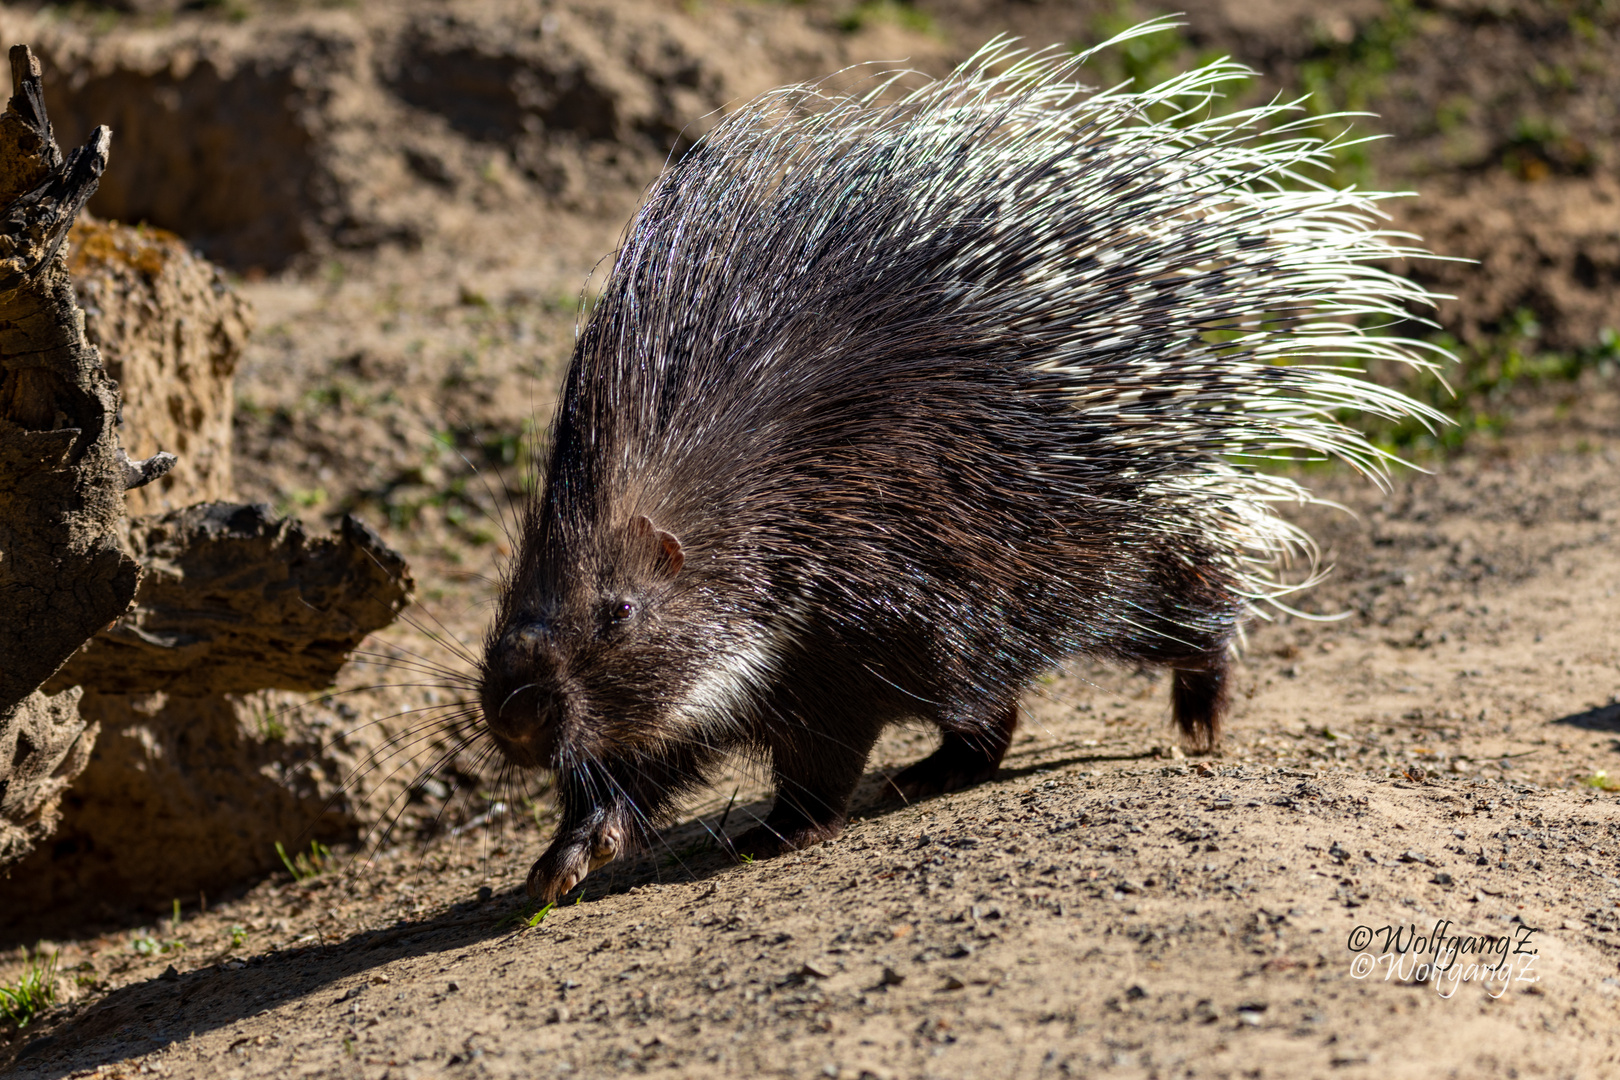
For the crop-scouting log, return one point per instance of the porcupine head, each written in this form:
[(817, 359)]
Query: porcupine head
[(600, 639), (892, 401)]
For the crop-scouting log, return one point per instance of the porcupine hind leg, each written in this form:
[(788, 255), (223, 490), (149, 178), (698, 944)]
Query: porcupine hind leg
[(962, 760), (1198, 700), (816, 774)]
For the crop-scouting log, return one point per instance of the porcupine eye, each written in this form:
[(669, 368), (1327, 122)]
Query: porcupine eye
[(620, 612)]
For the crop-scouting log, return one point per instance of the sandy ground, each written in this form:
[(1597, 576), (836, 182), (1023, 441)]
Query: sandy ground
[(1429, 768)]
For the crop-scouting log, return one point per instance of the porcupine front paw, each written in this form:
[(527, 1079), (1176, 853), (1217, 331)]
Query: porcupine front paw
[(570, 858)]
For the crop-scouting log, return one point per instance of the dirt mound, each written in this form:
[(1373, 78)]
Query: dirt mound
[(1550, 249), (170, 331), (294, 135)]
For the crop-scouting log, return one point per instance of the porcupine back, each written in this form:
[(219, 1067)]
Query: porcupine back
[(890, 401), (998, 354)]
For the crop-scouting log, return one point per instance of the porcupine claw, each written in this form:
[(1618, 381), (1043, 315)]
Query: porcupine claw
[(571, 858)]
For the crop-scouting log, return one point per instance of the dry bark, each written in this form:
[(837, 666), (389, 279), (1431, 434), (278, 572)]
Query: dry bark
[(195, 777), (63, 473), (43, 744), (236, 599)]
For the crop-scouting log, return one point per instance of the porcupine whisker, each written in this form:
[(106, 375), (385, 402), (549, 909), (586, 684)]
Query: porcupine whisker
[(717, 834), (375, 849), (377, 839), (383, 644), (442, 636), (482, 579), (297, 707), (456, 785), (390, 662), (501, 503), (458, 744), (406, 741), (647, 829), (508, 699), (502, 783), (390, 815), (431, 680), (499, 516), (451, 662), (367, 764), (879, 675), (435, 718), (644, 828), (499, 810), (432, 725)]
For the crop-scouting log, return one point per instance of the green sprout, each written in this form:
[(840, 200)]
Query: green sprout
[(873, 12), (147, 945), (1473, 392), (271, 729), (31, 994), (303, 866), (531, 919)]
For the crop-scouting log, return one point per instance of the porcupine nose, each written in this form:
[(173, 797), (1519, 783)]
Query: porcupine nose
[(518, 692)]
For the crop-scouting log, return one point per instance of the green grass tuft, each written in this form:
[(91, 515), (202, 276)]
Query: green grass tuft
[(1474, 392), (899, 12), (33, 993), (303, 866)]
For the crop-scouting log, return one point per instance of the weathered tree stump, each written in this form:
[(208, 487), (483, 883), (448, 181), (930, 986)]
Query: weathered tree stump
[(195, 775), (63, 473)]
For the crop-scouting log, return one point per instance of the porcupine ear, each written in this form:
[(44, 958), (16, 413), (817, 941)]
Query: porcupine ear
[(668, 556)]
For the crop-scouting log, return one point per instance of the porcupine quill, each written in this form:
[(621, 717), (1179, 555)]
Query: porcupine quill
[(892, 402)]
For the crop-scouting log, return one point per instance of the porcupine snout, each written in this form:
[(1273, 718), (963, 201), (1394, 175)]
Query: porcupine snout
[(522, 694)]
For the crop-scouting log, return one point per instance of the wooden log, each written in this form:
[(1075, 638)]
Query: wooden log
[(63, 473)]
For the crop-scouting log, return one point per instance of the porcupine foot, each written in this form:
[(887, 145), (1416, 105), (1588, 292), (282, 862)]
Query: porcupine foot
[(767, 841), (814, 780), (961, 760), (1198, 699), (574, 854)]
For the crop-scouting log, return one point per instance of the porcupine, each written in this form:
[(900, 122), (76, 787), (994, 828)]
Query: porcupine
[(892, 401)]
